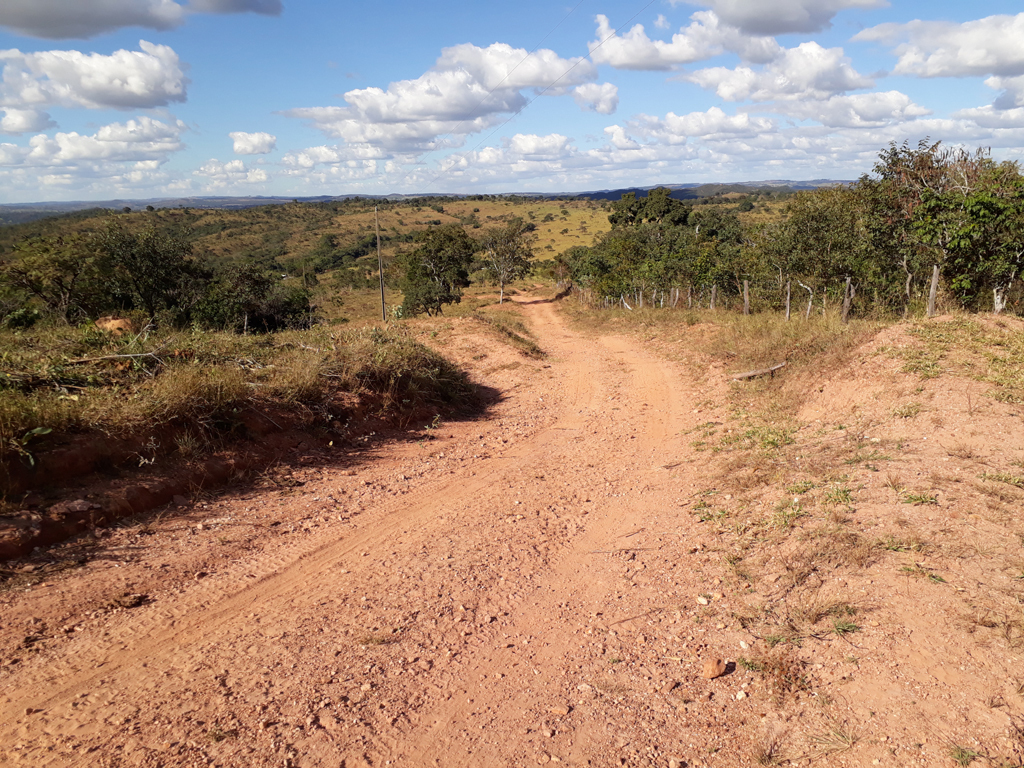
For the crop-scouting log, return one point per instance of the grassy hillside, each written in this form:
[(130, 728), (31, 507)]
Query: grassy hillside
[(289, 235)]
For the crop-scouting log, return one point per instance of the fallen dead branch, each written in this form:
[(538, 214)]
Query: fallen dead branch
[(759, 372)]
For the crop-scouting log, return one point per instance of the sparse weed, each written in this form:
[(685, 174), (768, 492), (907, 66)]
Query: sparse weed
[(217, 735), (786, 514), (962, 755), (897, 544), (920, 362), (906, 411), (1004, 477), (844, 627), (752, 665), (190, 445), (921, 572), (378, 639), (768, 750), (920, 498), (511, 329), (839, 737), (961, 451), (839, 495), (784, 671)]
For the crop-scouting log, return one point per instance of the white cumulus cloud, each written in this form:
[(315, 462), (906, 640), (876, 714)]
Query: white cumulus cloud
[(620, 139), (808, 71), (139, 140), (704, 38), (861, 110), (602, 98), (466, 92), (780, 17), (1012, 88), (17, 121), (32, 82), (714, 123), (253, 143), (59, 19), (988, 46), (502, 66), (219, 175)]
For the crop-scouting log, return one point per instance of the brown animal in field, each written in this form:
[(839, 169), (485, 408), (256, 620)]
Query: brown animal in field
[(115, 325)]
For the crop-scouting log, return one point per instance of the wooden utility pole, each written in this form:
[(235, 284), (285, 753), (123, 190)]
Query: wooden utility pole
[(934, 290), (380, 266)]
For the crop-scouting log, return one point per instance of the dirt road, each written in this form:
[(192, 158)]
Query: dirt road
[(547, 583), (505, 594)]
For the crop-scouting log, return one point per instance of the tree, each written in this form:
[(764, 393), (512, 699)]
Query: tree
[(508, 252), (946, 206), (62, 273), (659, 207), (150, 271), (247, 298), (973, 219), (435, 273)]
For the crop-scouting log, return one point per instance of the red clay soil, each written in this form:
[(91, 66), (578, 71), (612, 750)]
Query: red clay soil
[(527, 589)]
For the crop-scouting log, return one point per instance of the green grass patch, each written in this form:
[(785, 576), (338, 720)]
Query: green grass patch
[(1004, 477), (917, 499)]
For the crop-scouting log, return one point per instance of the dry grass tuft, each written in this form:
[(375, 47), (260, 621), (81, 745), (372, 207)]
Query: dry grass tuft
[(838, 737), (768, 750)]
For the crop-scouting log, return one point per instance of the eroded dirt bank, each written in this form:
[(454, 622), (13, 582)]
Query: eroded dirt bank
[(531, 589)]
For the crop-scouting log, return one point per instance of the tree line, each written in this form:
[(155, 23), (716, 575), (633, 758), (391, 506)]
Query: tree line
[(871, 246), (83, 276)]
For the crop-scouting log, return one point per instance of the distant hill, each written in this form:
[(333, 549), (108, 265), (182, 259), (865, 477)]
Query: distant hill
[(19, 213), (698, 191)]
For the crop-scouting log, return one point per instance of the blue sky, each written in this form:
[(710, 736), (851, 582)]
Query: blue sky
[(104, 99)]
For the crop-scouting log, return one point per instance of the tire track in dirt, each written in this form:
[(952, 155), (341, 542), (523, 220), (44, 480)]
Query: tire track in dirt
[(569, 588), (166, 636), (493, 566)]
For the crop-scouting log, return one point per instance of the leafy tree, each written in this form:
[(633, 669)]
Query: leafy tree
[(246, 298), (946, 206), (658, 207), (508, 253), (62, 273), (974, 220), (151, 271), (824, 236), (435, 273), (661, 208)]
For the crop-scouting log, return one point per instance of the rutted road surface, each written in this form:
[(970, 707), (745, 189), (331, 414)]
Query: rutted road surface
[(518, 591)]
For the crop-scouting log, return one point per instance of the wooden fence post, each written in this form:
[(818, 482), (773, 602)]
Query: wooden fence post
[(934, 290), (746, 297), (714, 292), (810, 299), (847, 300), (788, 296)]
